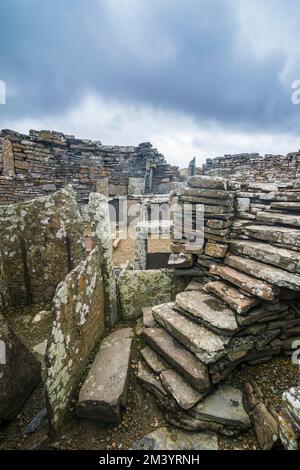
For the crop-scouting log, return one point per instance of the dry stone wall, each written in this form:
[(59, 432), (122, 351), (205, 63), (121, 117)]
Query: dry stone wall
[(79, 322), (43, 162), (253, 167), (40, 242)]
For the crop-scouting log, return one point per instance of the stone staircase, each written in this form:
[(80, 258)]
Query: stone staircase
[(211, 328)]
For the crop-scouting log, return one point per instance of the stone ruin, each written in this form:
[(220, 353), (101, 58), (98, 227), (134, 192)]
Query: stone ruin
[(229, 296)]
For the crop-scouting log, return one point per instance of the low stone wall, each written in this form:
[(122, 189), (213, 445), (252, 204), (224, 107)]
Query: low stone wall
[(79, 323), (40, 242)]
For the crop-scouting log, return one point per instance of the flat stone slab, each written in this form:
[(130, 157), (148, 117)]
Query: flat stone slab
[(216, 250), (206, 345), (207, 193), (185, 395), (174, 439), (181, 260), (177, 356), (275, 234), (247, 283), (207, 182), (290, 206), (280, 257), (232, 296), (278, 218), (271, 274), (153, 360), (209, 310), (151, 382), (104, 391), (148, 319), (224, 406)]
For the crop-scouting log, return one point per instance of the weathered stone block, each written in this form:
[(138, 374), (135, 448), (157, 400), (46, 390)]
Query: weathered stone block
[(20, 372), (104, 392), (79, 323), (138, 289)]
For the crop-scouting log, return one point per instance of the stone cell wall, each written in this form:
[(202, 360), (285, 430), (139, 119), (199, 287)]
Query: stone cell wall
[(79, 322), (43, 162), (252, 166), (40, 242)]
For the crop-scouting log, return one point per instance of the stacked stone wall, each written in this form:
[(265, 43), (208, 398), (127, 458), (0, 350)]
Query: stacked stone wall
[(44, 162)]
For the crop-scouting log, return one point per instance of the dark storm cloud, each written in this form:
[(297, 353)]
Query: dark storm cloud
[(180, 55)]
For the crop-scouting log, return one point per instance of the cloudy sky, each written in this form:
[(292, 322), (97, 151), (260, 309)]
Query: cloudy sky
[(195, 77)]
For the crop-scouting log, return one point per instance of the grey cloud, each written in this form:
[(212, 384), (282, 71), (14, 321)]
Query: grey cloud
[(179, 55)]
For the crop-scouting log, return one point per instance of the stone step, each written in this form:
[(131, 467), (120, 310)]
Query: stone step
[(148, 320), (104, 392), (264, 271), (281, 235), (177, 356), (224, 406), (278, 218), (206, 345), (153, 360), (247, 283), (280, 257), (208, 311), (185, 395), (232, 296), (290, 206), (151, 382)]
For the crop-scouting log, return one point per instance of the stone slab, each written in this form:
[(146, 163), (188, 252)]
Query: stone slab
[(178, 357), (174, 439), (267, 253), (206, 345), (207, 182), (224, 406), (267, 273), (247, 283), (154, 360), (278, 218), (205, 308), (185, 395), (104, 392), (282, 235), (232, 296)]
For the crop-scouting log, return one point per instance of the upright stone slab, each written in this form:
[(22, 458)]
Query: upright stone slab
[(101, 235), (8, 158), (138, 289), (41, 240), (104, 392), (79, 322), (20, 372)]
